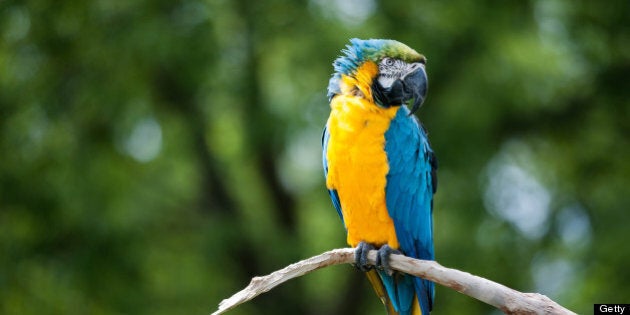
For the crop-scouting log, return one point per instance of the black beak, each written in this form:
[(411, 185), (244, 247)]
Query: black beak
[(416, 85), (413, 85)]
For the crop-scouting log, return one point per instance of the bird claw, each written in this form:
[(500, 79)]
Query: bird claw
[(382, 259), (361, 256)]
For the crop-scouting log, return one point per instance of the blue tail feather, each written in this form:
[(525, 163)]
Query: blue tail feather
[(401, 289)]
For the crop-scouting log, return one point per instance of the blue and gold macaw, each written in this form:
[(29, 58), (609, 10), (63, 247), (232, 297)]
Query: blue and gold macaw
[(380, 170)]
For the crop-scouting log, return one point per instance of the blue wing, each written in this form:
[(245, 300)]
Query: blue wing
[(411, 182), (334, 196)]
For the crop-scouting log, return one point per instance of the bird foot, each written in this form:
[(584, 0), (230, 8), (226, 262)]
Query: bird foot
[(361, 256), (382, 259)]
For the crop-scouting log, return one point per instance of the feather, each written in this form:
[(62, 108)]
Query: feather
[(334, 196), (410, 207)]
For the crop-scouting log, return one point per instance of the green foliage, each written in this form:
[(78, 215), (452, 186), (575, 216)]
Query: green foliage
[(155, 155)]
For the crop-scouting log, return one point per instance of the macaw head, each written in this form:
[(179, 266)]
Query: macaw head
[(385, 70)]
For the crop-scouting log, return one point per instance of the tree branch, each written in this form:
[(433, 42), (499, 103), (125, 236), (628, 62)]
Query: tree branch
[(508, 300)]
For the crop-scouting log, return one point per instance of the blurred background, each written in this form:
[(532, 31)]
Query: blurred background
[(155, 155)]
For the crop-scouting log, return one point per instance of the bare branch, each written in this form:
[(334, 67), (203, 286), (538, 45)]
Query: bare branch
[(508, 300)]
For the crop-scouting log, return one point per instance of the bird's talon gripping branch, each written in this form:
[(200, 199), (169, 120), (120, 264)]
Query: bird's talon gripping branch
[(382, 259), (361, 256)]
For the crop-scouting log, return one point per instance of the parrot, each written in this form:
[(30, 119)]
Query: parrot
[(379, 167)]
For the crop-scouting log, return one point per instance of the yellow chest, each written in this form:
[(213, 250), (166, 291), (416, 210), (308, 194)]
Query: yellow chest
[(357, 168)]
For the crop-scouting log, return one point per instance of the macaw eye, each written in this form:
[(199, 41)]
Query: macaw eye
[(388, 61)]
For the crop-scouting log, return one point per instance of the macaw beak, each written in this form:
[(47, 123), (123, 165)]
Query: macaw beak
[(415, 87), (412, 85)]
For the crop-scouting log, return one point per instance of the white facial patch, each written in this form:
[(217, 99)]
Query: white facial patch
[(386, 81), (390, 70)]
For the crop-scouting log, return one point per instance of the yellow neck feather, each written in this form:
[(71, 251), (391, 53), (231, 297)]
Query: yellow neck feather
[(357, 162)]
